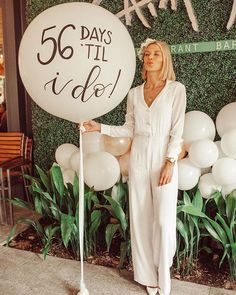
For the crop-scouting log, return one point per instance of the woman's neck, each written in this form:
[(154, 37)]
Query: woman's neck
[(154, 80)]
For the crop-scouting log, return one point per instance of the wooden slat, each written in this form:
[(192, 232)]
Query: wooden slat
[(10, 140), (11, 145)]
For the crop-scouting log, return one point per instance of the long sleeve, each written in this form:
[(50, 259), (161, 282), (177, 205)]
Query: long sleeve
[(127, 129), (177, 123)]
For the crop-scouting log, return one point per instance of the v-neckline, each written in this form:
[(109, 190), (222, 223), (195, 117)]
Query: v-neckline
[(156, 98)]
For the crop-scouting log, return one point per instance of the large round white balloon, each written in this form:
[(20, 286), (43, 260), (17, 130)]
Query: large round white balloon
[(188, 174), (226, 119), (224, 171), (68, 176), (75, 162), (93, 142), (207, 185), (203, 153), (227, 189), (77, 61), (116, 146), (63, 154), (221, 153), (101, 170), (228, 143), (197, 126)]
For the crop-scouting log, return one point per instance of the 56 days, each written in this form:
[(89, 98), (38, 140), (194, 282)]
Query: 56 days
[(96, 51)]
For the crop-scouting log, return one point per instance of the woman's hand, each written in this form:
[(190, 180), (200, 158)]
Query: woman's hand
[(91, 125), (166, 173)]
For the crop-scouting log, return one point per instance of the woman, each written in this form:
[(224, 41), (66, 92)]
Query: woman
[(155, 120)]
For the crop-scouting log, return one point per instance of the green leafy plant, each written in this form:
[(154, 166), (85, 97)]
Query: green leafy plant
[(221, 227), (188, 231), (58, 203), (118, 224), (59, 206)]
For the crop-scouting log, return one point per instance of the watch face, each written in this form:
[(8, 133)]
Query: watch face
[(172, 160)]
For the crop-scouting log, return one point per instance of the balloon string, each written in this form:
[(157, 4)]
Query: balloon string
[(81, 211)]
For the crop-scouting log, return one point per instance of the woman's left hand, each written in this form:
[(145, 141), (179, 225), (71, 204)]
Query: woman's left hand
[(166, 174)]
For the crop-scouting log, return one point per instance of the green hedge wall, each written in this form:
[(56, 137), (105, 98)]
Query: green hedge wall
[(210, 78)]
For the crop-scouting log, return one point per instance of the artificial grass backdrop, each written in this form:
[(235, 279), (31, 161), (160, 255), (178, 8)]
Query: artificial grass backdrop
[(210, 78)]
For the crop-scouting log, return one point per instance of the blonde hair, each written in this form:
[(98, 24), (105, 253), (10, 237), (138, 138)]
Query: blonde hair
[(167, 71)]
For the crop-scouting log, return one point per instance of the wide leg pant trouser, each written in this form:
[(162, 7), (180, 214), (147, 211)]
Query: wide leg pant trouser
[(153, 228)]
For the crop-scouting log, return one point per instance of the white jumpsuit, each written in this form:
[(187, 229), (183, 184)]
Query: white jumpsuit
[(157, 134)]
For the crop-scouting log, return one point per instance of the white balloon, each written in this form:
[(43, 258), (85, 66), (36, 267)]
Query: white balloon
[(63, 154), (208, 186), (221, 153), (101, 170), (188, 174), (77, 61), (197, 126), (203, 153), (226, 119), (228, 143), (227, 189), (92, 142), (68, 176), (224, 171), (75, 161)]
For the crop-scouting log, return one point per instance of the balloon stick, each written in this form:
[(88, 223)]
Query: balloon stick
[(83, 289)]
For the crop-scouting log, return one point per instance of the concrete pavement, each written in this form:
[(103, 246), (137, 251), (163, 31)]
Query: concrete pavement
[(26, 273)]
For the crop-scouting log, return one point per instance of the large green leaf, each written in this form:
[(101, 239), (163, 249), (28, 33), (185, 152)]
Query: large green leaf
[(226, 228), (44, 178), (220, 231), (182, 230), (107, 207), (211, 230), (55, 211), (196, 222), (179, 208), (231, 207), (32, 179), (50, 232), (120, 194), (190, 209), (88, 199), (11, 234), (111, 229), (119, 213), (95, 222), (124, 249), (223, 256), (38, 205), (186, 199), (58, 179), (197, 200), (76, 188), (67, 222), (21, 203)]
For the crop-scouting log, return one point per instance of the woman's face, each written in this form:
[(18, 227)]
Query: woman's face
[(152, 58)]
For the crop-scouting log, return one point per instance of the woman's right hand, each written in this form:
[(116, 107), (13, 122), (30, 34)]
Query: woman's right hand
[(91, 125)]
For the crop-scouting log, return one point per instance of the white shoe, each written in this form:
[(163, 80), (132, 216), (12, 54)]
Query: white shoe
[(152, 291)]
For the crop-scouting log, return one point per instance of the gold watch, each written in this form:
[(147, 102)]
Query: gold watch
[(171, 160)]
